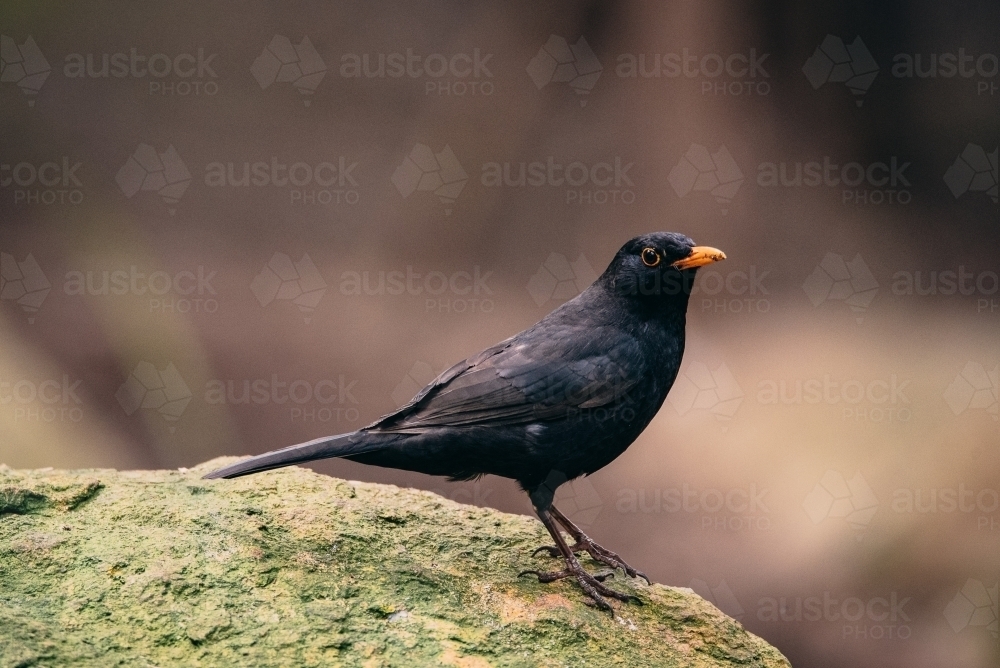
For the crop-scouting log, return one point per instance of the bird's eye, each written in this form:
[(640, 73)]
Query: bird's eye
[(650, 257)]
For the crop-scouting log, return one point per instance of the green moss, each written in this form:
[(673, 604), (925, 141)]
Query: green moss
[(147, 568)]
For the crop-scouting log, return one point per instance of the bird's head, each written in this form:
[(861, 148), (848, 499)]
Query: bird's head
[(658, 266)]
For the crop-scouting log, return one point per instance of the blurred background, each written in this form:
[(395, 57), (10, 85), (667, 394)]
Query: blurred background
[(230, 227)]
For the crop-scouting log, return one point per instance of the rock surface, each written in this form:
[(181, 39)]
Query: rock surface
[(161, 568)]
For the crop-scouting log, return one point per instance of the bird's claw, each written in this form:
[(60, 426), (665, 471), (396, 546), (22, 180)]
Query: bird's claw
[(592, 584), (551, 549), (598, 554), (545, 576), (606, 557)]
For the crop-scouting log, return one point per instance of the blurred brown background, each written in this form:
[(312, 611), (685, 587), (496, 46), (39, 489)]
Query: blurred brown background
[(827, 468)]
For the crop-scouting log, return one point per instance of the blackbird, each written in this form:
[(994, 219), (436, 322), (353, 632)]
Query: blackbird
[(560, 400)]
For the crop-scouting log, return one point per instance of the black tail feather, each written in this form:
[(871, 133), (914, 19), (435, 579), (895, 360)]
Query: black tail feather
[(322, 448)]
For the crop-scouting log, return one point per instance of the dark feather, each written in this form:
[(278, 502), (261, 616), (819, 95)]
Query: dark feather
[(521, 381)]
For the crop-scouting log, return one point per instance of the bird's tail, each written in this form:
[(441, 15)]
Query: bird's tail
[(354, 443)]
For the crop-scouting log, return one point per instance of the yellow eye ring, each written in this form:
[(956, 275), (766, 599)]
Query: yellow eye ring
[(650, 257)]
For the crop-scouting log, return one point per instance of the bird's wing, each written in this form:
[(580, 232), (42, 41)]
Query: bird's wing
[(519, 381)]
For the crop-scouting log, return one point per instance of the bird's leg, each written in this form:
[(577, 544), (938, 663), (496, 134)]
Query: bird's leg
[(597, 553), (591, 584)]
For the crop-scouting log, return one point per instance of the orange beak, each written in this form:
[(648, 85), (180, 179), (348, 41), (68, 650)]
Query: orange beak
[(700, 256)]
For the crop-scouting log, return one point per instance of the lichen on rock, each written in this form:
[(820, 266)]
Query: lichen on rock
[(157, 568)]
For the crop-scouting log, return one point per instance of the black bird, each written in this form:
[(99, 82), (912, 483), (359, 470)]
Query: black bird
[(561, 399)]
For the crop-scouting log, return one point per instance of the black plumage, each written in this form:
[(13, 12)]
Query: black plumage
[(559, 400)]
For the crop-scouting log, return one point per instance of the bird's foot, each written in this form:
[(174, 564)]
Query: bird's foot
[(592, 584), (597, 553), (551, 549), (606, 557)]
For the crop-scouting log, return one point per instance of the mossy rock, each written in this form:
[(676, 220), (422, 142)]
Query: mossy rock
[(162, 568)]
